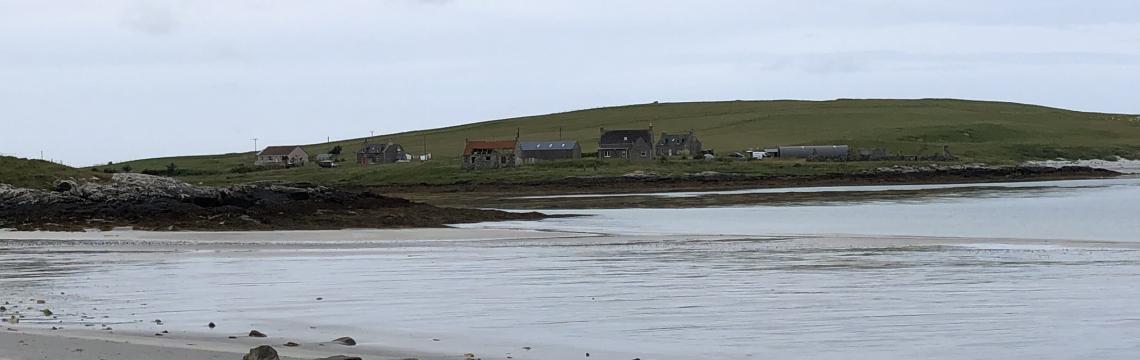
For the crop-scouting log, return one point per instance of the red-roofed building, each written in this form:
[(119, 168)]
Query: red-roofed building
[(489, 154)]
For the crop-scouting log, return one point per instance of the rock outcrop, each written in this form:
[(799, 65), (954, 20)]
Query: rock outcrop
[(160, 203)]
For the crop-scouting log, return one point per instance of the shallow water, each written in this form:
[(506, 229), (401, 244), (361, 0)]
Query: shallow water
[(757, 294), (1065, 210)]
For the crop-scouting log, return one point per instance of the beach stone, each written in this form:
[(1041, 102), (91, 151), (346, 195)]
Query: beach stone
[(292, 344), (255, 333), (340, 357), (346, 341), (263, 352)]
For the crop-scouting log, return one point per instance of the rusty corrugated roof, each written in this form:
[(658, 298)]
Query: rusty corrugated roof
[(489, 144)]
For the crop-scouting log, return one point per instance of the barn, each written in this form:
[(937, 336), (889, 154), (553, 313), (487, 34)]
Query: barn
[(530, 152)]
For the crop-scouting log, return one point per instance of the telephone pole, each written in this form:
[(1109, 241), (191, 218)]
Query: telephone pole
[(254, 144)]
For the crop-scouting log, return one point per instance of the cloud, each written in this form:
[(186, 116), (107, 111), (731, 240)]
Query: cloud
[(150, 17)]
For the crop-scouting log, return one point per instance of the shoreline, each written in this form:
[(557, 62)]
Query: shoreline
[(29, 343), (666, 197)]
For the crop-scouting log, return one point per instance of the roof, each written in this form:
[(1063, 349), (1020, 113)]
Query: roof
[(278, 150), (489, 144), (373, 148), (625, 136), (547, 145), (667, 138)]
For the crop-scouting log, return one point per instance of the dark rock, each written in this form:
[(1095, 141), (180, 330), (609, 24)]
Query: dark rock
[(340, 357), (346, 341), (292, 344), (263, 352), (211, 325), (257, 334)]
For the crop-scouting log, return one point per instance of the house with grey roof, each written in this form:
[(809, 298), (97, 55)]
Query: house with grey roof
[(380, 153), (679, 144), (282, 156), (530, 152), (633, 145)]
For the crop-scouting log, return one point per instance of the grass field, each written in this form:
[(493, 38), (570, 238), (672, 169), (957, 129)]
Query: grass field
[(991, 132), (38, 173)]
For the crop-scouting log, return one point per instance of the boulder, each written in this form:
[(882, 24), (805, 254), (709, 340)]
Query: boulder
[(257, 334), (346, 341), (263, 352), (341, 357)]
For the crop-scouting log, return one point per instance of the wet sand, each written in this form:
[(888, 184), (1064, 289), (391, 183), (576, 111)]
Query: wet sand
[(21, 343)]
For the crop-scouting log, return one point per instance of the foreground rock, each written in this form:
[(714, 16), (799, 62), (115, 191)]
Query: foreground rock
[(261, 353), (158, 203)]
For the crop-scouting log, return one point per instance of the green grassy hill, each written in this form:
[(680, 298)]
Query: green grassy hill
[(974, 130), (38, 173)]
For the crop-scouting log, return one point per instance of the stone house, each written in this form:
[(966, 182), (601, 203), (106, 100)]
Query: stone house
[(489, 154), (680, 144), (380, 153), (633, 145), (530, 152), (282, 156)]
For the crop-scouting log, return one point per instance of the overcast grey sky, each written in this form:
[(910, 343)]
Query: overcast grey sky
[(91, 81)]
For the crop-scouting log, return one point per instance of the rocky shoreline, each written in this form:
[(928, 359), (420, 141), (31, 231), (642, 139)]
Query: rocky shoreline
[(712, 181), (147, 202)]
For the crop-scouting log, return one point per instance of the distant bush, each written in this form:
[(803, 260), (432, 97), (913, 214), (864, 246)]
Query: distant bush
[(127, 168), (336, 150)]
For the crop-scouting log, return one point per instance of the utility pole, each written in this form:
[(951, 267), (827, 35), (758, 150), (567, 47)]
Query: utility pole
[(371, 133), (559, 133), (254, 144)]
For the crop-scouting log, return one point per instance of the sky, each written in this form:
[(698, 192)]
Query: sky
[(92, 81)]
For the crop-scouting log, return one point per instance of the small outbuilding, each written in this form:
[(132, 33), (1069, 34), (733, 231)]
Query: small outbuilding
[(530, 152), (813, 152), (380, 153), (633, 145), (681, 144), (489, 154), (282, 156)]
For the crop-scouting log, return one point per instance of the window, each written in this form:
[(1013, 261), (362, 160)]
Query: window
[(642, 154)]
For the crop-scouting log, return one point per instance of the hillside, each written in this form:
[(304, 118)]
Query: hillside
[(974, 130), (37, 173)]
